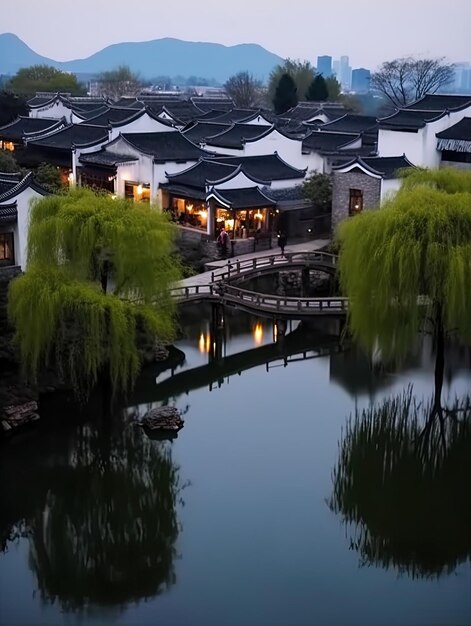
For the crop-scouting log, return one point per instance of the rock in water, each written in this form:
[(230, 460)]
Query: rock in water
[(164, 422)]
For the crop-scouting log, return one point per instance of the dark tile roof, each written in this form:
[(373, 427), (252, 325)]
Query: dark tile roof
[(208, 115), (234, 136), (114, 116), (182, 111), (105, 158), (265, 167), (235, 115), (319, 141), (11, 185), (8, 213), (459, 131), (72, 135), (386, 167), (351, 123), (305, 111), (87, 102), (185, 191), (440, 102), (165, 146), (26, 125), (41, 100), (206, 171), (130, 103), (284, 194), (199, 131), (212, 104), (88, 114), (408, 120), (244, 198)]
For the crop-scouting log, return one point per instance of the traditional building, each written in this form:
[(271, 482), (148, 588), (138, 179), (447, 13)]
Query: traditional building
[(13, 135), (363, 183), (16, 193), (413, 130), (321, 148), (454, 145), (229, 192), (134, 164)]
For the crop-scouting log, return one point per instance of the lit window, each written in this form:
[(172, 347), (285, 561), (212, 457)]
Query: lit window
[(356, 202)]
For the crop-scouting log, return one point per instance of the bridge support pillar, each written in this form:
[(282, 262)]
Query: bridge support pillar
[(305, 282)]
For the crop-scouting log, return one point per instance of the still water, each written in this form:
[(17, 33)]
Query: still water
[(252, 516)]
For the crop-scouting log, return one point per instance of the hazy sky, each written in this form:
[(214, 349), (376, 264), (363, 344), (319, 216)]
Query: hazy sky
[(370, 31)]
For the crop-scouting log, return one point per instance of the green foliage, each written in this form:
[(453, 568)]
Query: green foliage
[(333, 88), (244, 90), (76, 243), (119, 82), (8, 162), (48, 176), (285, 95), (317, 91), (28, 80), (401, 486), (318, 189), (407, 258), (11, 107), (301, 72)]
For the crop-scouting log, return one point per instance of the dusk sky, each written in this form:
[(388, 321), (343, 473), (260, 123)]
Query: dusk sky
[(369, 31)]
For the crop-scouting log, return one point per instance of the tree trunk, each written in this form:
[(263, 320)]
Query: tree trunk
[(439, 358)]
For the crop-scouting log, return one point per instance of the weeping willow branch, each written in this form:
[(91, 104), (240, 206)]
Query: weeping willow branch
[(399, 263), (61, 310)]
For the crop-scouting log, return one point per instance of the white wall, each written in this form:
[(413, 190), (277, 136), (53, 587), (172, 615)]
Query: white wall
[(144, 124), (392, 143), (20, 229), (315, 162), (288, 149), (389, 187), (55, 110)]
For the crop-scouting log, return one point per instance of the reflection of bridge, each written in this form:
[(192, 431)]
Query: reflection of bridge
[(218, 287), (301, 344)]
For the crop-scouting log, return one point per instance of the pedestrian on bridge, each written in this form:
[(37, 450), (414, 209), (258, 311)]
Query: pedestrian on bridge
[(282, 241)]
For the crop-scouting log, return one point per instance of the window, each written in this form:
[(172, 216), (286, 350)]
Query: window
[(136, 191), (7, 254), (356, 202)]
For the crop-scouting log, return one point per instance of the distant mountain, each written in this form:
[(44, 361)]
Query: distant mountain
[(167, 56)]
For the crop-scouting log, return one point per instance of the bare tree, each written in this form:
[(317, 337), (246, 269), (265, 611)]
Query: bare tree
[(244, 90), (119, 82), (405, 80)]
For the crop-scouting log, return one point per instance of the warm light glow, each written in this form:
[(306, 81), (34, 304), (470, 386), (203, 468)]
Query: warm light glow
[(258, 333), (357, 206), (229, 224), (139, 190), (258, 216), (113, 196), (189, 208), (204, 213), (204, 343), (275, 332), (71, 178)]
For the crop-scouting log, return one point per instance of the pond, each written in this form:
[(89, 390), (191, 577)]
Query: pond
[(240, 520)]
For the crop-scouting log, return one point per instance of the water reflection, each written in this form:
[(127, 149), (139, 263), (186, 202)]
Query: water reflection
[(401, 486), (103, 531)]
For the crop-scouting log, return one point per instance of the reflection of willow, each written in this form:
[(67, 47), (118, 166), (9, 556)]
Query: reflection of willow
[(405, 497), (107, 531)]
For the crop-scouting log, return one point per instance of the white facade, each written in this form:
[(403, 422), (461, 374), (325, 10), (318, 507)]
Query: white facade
[(143, 124), (289, 149), (20, 229), (419, 147), (56, 109)]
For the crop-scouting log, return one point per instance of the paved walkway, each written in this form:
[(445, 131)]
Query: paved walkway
[(217, 267)]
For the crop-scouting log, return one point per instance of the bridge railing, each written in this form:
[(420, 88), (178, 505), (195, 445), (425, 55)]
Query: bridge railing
[(236, 267), (284, 303), (255, 300)]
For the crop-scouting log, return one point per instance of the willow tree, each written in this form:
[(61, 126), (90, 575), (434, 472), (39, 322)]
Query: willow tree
[(410, 263), (404, 507), (98, 276)]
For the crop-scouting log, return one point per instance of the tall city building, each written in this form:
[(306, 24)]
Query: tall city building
[(336, 68), (345, 73), (361, 80), (324, 66)]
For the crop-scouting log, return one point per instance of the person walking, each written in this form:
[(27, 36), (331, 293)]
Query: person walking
[(223, 242), (282, 241)]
